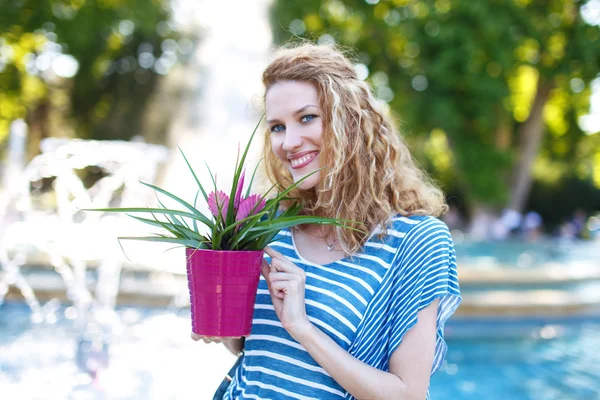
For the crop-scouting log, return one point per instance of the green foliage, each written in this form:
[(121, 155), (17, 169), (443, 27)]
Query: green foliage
[(467, 70), (103, 36)]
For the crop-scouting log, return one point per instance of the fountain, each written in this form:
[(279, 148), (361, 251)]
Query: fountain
[(41, 217), (49, 248)]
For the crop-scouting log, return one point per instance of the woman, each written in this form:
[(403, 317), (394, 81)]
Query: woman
[(340, 313)]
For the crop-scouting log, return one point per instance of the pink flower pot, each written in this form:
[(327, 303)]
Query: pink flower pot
[(223, 286)]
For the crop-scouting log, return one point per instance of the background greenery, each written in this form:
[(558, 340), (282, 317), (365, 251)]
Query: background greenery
[(489, 92), (121, 48)]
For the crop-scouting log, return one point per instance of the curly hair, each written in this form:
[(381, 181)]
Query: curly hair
[(370, 174)]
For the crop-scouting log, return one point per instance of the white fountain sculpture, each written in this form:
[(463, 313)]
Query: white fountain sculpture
[(36, 220)]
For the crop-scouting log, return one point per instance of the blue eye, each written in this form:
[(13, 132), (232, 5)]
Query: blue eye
[(277, 128), (308, 118)]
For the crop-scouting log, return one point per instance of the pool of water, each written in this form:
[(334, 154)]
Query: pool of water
[(525, 254), (152, 357), (564, 365)]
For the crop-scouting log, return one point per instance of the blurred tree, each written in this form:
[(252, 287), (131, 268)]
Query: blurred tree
[(476, 83), (93, 61)]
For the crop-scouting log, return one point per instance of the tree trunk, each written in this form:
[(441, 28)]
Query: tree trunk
[(38, 122), (504, 133), (530, 136)]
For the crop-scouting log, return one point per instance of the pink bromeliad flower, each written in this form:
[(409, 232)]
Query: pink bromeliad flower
[(220, 200), (250, 205)]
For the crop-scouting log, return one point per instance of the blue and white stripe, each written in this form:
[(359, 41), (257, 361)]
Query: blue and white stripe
[(413, 264)]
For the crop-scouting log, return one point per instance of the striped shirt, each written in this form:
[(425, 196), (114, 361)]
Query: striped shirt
[(365, 303)]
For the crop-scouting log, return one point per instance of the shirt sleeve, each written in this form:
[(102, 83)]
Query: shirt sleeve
[(425, 270)]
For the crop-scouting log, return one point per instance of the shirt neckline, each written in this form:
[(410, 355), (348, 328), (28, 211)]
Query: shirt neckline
[(346, 258)]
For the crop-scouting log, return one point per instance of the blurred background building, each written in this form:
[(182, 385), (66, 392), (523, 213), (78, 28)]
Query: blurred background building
[(499, 101)]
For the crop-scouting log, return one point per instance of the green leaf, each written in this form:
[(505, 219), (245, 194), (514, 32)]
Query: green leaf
[(266, 240), (156, 211), (194, 222), (165, 239), (184, 203), (168, 226), (195, 176), (218, 218), (281, 195), (238, 172), (174, 218), (252, 179), (267, 227), (254, 218), (190, 234)]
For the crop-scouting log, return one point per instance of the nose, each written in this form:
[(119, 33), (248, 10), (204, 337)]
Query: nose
[(292, 140)]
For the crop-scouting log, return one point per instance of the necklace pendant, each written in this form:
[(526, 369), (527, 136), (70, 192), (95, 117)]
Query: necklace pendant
[(329, 247)]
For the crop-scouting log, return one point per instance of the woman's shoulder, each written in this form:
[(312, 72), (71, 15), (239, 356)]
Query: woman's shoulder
[(413, 224), (415, 235)]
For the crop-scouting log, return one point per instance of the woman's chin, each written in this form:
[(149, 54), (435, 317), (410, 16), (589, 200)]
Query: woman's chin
[(309, 182)]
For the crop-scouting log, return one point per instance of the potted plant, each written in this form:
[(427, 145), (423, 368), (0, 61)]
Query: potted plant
[(223, 265)]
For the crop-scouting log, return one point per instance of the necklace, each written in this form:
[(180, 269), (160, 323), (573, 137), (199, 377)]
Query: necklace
[(330, 245)]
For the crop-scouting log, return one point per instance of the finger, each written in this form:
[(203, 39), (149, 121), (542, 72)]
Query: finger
[(283, 287), (273, 253), (272, 268), (286, 266), (196, 337), (282, 276), (265, 268)]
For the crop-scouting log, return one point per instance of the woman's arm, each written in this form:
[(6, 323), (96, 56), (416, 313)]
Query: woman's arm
[(410, 364), (234, 345)]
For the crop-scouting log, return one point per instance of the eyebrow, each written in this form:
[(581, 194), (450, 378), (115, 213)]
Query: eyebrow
[(298, 111)]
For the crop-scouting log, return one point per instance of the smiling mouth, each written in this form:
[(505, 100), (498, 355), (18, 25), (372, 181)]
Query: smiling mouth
[(304, 160)]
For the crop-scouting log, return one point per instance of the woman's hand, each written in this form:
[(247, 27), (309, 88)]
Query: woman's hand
[(286, 284), (234, 344), (211, 339)]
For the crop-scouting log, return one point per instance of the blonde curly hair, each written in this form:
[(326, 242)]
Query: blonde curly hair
[(370, 174)]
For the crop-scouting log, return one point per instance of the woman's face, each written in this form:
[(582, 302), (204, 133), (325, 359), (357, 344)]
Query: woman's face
[(294, 120)]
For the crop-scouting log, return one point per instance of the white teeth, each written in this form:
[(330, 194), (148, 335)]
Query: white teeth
[(301, 160)]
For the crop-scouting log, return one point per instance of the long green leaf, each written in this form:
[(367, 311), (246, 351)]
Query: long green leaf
[(296, 184), (238, 172), (182, 202), (286, 222), (246, 228), (195, 176), (153, 210), (170, 226), (280, 223), (218, 216), (174, 218), (252, 217), (252, 179), (190, 234), (164, 239), (281, 195), (266, 240), (194, 222)]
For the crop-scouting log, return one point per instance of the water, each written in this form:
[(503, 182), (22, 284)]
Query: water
[(525, 254), (565, 367), (152, 357)]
